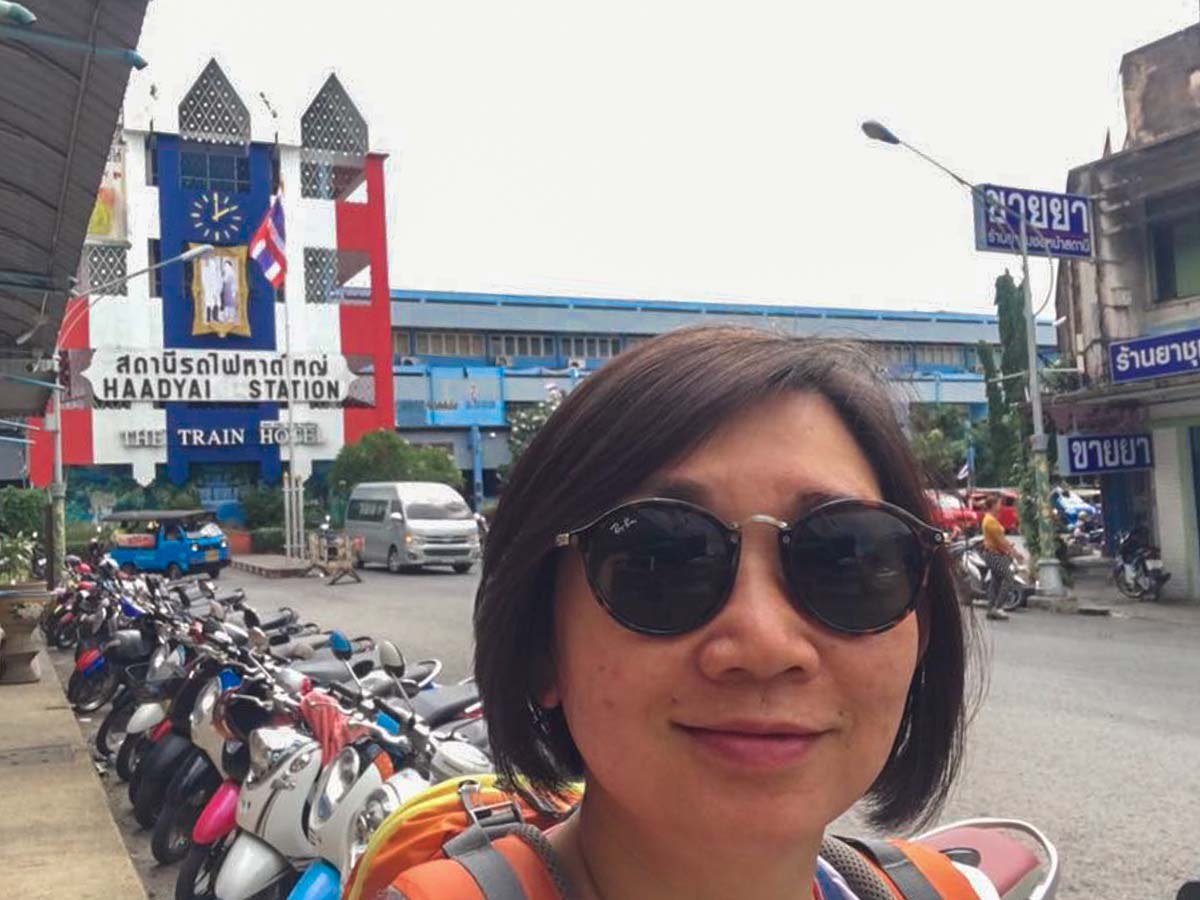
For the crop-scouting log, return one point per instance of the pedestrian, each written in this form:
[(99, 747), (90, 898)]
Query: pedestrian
[(1000, 556), (712, 594)]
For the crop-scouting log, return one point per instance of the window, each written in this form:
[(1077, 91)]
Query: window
[(896, 356), (367, 510), (320, 274), (532, 345), (636, 339), (449, 343), (592, 347), (151, 161), (102, 264), (946, 355), (212, 169), (154, 257), (1176, 248)]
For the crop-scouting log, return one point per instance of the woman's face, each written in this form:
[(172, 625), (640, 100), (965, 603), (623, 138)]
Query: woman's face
[(764, 724)]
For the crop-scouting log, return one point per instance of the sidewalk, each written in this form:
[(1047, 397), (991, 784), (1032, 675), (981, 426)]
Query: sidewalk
[(57, 837), (1094, 589)]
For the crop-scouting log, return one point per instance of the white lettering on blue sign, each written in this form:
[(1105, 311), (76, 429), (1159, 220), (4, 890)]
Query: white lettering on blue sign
[(1105, 453)]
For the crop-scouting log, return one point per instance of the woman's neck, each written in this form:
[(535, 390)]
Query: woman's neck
[(609, 857)]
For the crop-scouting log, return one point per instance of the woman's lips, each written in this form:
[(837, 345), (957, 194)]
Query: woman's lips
[(753, 745)]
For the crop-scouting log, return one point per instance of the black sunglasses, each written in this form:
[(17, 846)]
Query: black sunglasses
[(667, 567)]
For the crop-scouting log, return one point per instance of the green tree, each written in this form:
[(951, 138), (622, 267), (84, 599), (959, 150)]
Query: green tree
[(526, 423), (385, 456), (941, 434), (1014, 352), (263, 506), (1003, 443)]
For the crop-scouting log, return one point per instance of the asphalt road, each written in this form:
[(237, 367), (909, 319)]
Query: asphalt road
[(1090, 727)]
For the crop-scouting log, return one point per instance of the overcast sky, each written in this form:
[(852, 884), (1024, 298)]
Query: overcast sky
[(694, 150)]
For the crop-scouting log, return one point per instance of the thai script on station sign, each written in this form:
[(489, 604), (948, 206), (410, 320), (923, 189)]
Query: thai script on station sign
[(210, 376)]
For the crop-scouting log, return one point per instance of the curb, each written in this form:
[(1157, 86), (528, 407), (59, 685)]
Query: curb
[(295, 571)]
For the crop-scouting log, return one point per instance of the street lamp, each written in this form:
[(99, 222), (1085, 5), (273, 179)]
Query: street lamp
[(58, 488), (1049, 574)]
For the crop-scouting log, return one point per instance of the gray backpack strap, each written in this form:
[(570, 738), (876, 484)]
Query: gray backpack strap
[(899, 868), (472, 849), (852, 865)]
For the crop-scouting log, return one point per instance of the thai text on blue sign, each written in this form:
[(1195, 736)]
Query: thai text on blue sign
[(1154, 357), (1058, 224), (1097, 454)]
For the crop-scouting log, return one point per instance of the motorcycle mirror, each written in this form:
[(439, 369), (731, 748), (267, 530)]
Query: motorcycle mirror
[(392, 658), (341, 646), (250, 617), (216, 610), (1190, 891)]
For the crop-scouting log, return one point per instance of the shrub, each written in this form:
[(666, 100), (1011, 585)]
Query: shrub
[(263, 506), (266, 540), (22, 510)]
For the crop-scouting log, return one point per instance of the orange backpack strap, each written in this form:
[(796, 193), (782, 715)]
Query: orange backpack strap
[(477, 868), (914, 871)]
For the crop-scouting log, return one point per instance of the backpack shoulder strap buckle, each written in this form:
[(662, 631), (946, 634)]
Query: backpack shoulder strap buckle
[(491, 817)]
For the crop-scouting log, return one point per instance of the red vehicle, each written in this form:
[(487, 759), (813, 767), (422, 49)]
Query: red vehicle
[(950, 513), (1006, 511)]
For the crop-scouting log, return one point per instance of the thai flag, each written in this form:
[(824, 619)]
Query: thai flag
[(267, 245)]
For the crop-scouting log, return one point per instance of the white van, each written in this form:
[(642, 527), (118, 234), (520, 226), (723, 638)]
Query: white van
[(412, 523)]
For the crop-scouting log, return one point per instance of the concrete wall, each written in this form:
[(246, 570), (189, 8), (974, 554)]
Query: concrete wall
[(1175, 498)]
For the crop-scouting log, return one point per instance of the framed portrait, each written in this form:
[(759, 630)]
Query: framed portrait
[(220, 293)]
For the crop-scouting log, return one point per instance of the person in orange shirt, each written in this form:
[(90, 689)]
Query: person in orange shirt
[(1000, 555)]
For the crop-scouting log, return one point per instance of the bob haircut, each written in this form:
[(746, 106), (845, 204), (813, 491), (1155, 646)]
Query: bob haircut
[(649, 407)]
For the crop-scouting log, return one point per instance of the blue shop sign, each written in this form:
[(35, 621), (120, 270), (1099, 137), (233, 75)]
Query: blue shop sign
[(1103, 454), (1058, 224), (1154, 357)]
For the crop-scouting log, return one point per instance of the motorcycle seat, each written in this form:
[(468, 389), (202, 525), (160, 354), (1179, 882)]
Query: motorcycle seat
[(1008, 863), (444, 704), (329, 669), (279, 618)]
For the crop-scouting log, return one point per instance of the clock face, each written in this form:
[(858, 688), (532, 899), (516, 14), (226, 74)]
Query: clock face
[(216, 217)]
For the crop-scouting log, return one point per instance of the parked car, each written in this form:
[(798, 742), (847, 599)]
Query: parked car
[(1006, 512), (412, 523), (175, 542), (950, 513)]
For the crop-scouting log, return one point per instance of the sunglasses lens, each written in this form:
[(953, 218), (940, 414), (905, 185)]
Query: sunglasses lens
[(659, 568), (856, 568)]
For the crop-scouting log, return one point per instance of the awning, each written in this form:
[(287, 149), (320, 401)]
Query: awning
[(58, 112)]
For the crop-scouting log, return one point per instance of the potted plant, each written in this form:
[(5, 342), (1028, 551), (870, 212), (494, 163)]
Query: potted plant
[(21, 601)]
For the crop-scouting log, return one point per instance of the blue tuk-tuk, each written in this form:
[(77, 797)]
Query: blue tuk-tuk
[(175, 542)]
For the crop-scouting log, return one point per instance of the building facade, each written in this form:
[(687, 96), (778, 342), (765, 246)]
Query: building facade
[(1131, 316), (465, 362), (204, 372)]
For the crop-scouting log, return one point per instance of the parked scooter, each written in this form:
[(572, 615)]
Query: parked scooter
[(975, 577), (1137, 569)]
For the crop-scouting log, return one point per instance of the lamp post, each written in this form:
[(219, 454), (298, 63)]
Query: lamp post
[(1049, 574), (58, 487)]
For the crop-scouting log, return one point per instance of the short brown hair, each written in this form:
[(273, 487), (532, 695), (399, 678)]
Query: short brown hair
[(649, 407)]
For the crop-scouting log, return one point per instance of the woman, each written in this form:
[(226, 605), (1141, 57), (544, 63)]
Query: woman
[(710, 594), (1000, 556)]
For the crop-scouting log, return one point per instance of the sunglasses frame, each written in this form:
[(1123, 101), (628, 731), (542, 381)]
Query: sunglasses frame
[(929, 539)]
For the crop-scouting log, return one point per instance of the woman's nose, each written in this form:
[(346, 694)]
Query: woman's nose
[(760, 635)]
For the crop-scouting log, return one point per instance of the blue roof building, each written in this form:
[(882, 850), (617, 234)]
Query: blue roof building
[(463, 362)]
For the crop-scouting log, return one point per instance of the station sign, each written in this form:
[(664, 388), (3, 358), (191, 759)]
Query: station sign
[(211, 376)]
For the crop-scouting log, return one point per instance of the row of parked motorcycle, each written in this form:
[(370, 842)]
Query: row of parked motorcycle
[(1136, 571), (260, 751)]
